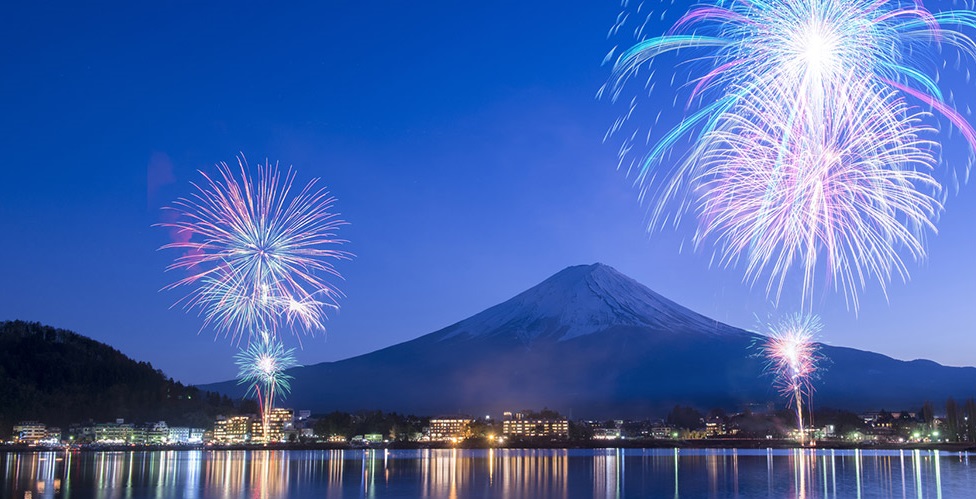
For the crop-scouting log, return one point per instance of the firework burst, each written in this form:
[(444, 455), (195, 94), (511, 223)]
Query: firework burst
[(258, 250), (808, 46), (792, 358), (261, 366), (849, 191), (790, 75)]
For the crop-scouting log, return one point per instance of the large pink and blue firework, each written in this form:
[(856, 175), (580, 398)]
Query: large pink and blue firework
[(259, 251), (790, 75), (792, 357)]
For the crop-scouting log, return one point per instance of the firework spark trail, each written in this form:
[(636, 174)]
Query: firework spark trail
[(258, 250), (792, 357), (261, 366), (784, 73)]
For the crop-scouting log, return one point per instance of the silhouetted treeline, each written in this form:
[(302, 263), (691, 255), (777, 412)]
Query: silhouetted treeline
[(59, 377), (685, 417), (391, 425)]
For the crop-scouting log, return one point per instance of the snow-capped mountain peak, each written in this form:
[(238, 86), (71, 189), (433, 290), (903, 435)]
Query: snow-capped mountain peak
[(582, 300)]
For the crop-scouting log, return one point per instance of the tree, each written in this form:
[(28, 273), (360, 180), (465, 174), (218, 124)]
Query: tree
[(545, 413), (970, 420), (845, 422), (685, 417), (952, 420), (928, 413), (848, 422), (718, 413), (580, 431), (334, 423), (479, 428)]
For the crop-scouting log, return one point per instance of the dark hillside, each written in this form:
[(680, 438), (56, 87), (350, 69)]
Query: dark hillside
[(59, 377)]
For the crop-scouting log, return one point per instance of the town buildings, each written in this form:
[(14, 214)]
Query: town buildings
[(117, 432), (33, 432), (519, 426), (358, 429), (233, 430), (606, 433), (449, 429), (251, 429)]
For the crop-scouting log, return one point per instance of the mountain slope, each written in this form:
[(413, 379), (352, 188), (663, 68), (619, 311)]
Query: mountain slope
[(595, 343)]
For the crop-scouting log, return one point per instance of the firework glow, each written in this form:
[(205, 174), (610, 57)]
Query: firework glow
[(810, 128), (792, 358), (258, 250)]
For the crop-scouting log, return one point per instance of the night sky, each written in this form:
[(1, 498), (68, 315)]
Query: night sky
[(463, 141)]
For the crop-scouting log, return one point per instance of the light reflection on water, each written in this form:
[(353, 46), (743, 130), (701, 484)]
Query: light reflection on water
[(456, 473)]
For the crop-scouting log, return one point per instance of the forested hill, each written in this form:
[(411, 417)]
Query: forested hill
[(59, 377)]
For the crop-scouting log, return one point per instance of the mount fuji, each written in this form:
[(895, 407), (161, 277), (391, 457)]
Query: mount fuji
[(592, 342)]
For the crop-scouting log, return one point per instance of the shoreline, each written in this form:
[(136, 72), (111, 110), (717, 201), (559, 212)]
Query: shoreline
[(619, 444)]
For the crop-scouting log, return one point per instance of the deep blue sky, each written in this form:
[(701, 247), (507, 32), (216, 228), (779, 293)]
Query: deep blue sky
[(463, 141)]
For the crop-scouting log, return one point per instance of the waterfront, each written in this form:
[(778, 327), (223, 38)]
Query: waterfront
[(489, 473)]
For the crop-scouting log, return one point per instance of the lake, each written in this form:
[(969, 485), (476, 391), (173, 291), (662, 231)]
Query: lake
[(489, 473)]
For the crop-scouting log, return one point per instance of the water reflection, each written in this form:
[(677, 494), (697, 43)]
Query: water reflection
[(608, 473), (456, 473)]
